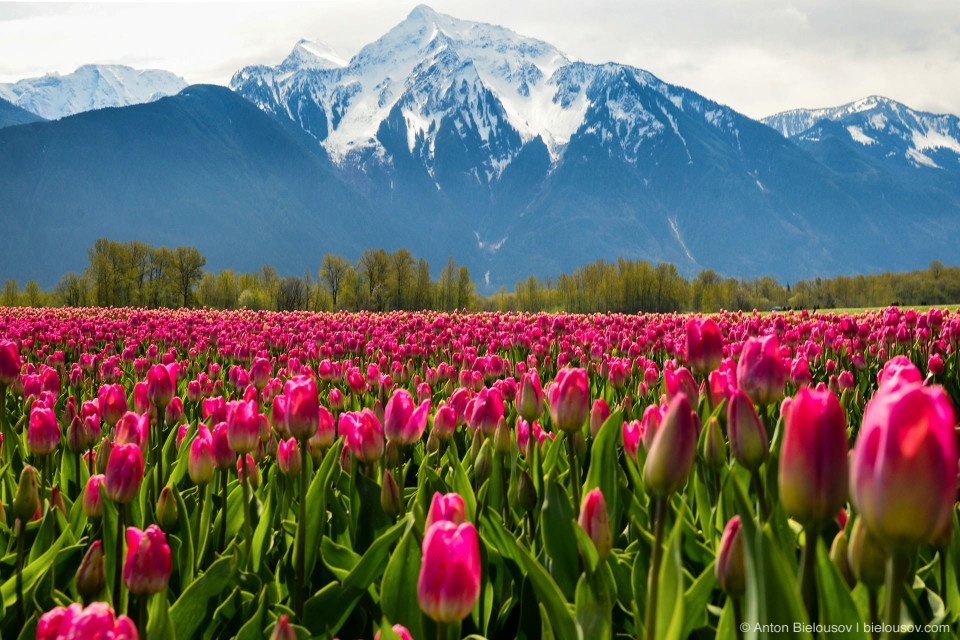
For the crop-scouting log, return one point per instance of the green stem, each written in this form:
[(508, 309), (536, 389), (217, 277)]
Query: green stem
[(574, 474), (43, 480), (158, 448), (301, 549), (21, 531), (247, 524), (142, 616), (223, 511), (761, 495), (201, 491), (942, 556), (897, 566), (118, 558), (5, 452), (808, 558), (653, 578), (76, 474), (738, 615), (874, 613), (442, 631)]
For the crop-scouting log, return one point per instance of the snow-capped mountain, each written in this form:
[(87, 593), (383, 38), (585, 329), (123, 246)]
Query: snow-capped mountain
[(12, 115), (90, 87), (884, 128)]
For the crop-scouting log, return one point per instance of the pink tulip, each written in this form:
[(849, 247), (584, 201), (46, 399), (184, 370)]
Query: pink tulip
[(813, 458), (599, 413), (243, 426), (631, 438), (530, 396), (289, 458), (302, 409), (223, 455), (200, 461), (9, 363), (748, 437), (91, 502), (704, 345), (673, 449), (402, 423), (904, 467), (402, 632), (569, 399), (487, 410), (148, 564), (95, 622), (363, 435), (731, 568), (449, 507), (449, 582), (595, 521), (43, 431), (123, 474), (161, 386), (444, 422), (260, 372), (761, 373)]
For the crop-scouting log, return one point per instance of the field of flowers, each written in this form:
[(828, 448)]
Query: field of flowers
[(199, 474)]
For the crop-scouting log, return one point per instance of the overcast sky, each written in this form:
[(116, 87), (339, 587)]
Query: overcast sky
[(757, 56)]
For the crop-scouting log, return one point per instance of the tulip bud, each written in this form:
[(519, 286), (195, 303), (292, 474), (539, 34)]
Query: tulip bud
[(449, 581), (526, 492), (90, 574), (43, 431), (866, 556), (247, 468), (9, 363), (713, 446), (167, 510), (502, 438), (595, 521), (200, 460), (92, 504), (838, 556), (748, 438), (123, 474), (483, 465), (243, 426), (302, 407), (530, 396), (161, 386), (56, 500), (97, 620), (704, 345), (283, 630), (289, 458), (598, 415), (673, 449), (27, 499), (449, 506), (402, 632), (569, 399), (731, 564), (147, 567), (813, 460), (390, 499)]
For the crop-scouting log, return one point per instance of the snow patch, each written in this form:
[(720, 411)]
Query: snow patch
[(676, 232), (859, 136)]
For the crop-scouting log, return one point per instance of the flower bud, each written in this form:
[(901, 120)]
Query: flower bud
[(731, 564), (867, 556), (167, 511), (43, 431), (243, 426), (673, 449), (161, 386), (9, 363), (147, 567), (813, 475), (748, 438), (530, 396), (483, 465), (599, 413), (449, 506), (283, 630), (289, 458), (200, 460), (302, 407), (713, 446), (90, 574), (56, 500), (838, 556), (704, 345), (247, 468), (26, 501), (595, 521), (449, 581), (502, 438), (92, 502), (390, 499)]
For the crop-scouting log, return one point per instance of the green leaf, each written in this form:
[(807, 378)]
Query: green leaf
[(604, 471), (669, 613), (317, 505), (186, 557), (559, 539), (253, 629), (838, 613), (594, 606), (191, 609), (398, 590), (772, 599), (33, 572), (259, 546), (696, 598), (553, 605), (372, 565), (339, 559), (159, 623), (460, 483)]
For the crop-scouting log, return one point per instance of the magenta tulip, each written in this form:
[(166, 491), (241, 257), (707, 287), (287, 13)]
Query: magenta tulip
[(148, 564), (96, 621), (673, 449), (302, 409), (449, 582), (449, 507), (402, 423), (595, 521), (731, 568), (43, 431), (9, 363), (704, 345), (123, 474), (569, 399), (161, 386), (243, 425), (761, 373), (748, 437), (530, 396)]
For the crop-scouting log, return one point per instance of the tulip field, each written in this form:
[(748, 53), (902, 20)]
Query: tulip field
[(202, 474)]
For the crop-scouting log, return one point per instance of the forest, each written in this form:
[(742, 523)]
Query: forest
[(137, 274)]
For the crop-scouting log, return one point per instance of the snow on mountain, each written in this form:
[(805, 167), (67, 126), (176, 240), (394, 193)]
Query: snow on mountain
[(890, 129), (54, 96)]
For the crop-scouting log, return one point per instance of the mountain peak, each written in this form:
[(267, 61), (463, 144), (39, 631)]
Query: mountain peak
[(313, 54)]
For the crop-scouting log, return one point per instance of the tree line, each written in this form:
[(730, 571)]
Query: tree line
[(137, 274)]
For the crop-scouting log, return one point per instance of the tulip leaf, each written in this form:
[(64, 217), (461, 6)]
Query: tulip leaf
[(329, 608), (398, 590), (460, 483), (594, 606), (190, 611), (553, 606), (339, 559), (36, 570), (253, 629), (559, 539), (371, 520), (372, 563), (838, 613), (670, 600), (187, 553), (159, 623), (317, 504), (263, 530), (772, 598), (604, 469)]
